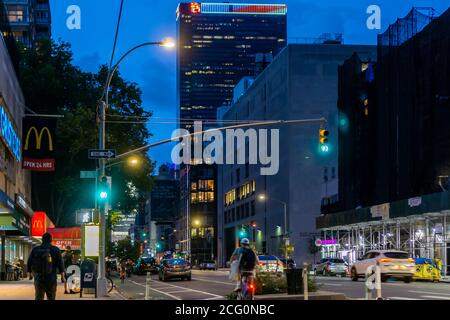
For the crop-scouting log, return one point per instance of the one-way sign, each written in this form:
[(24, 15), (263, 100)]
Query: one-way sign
[(102, 154)]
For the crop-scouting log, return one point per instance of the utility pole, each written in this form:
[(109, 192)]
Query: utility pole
[(101, 279)]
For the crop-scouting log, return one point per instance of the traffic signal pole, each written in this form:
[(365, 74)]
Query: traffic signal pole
[(101, 277)]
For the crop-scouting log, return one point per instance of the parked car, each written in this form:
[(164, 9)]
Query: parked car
[(270, 264), (393, 263), (290, 264), (331, 266), (174, 268), (208, 265), (144, 265)]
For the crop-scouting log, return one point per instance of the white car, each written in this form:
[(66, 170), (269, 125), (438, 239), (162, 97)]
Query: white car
[(393, 264), (270, 264)]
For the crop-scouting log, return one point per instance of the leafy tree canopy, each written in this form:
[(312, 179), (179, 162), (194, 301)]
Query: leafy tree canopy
[(52, 84)]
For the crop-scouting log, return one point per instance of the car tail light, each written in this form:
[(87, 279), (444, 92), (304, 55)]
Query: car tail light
[(261, 264), (385, 260), (412, 260)]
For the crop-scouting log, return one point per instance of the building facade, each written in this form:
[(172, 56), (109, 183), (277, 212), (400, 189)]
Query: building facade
[(217, 46), (395, 158), (15, 186), (26, 20), (300, 83), (162, 210)]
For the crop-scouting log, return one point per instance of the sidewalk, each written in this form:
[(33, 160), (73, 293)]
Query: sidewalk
[(24, 290)]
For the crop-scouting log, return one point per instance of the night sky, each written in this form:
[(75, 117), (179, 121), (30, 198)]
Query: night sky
[(154, 68)]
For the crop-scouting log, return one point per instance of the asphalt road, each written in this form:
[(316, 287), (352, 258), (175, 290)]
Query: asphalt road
[(214, 285), (205, 285), (392, 290)]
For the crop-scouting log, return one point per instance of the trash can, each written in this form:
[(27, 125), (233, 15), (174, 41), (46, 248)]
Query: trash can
[(294, 278), (88, 278)]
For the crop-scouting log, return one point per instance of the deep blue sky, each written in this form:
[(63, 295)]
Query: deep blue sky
[(154, 68)]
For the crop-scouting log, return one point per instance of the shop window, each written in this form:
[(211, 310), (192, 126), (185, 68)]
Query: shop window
[(210, 185), (194, 186)]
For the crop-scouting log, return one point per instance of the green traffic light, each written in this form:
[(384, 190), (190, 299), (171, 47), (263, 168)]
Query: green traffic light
[(324, 148), (103, 195)]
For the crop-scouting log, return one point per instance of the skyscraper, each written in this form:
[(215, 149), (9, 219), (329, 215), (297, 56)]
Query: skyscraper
[(217, 47)]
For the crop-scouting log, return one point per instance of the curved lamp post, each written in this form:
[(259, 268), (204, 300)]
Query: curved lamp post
[(103, 105)]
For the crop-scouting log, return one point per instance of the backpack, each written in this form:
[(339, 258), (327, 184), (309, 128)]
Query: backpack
[(248, 259), (42, 261)]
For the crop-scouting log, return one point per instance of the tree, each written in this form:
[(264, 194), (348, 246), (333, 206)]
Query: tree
[(126, 249), (53, 85)]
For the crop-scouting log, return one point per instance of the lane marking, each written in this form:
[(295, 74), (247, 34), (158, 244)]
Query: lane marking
[(403, 298), (437, 297), (203, 292), (332, 284), (428, 292), (179, 291), (162, 292), (215, 281)]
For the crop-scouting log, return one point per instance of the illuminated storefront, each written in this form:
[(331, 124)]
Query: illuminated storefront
[(15, 183)]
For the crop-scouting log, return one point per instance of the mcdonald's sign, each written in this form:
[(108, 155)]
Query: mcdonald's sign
[(38, 224), (38, 144)]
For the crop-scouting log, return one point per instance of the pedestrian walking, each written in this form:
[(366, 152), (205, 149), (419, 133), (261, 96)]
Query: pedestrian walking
[(44, 263)]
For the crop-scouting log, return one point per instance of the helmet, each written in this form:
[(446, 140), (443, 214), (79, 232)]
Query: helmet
[(245, 241)]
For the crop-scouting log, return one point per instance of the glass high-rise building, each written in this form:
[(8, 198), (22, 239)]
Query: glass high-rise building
[(217, 46)]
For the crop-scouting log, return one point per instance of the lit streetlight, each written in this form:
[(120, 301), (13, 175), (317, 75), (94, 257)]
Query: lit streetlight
[(103, 105), (263, 197)]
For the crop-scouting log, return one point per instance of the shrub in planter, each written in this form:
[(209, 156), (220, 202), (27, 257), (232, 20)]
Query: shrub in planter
[(269, 283)]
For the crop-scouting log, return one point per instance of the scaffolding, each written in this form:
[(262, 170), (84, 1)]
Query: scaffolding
[(422, 236), (405, 28)]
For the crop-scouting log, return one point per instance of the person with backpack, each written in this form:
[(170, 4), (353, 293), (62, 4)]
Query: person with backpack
[(44, 263), (248, 260)]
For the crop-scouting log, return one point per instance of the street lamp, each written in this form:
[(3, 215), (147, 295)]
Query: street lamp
[(263, 197), (103, 105)]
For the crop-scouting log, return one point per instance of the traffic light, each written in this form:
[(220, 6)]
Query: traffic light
[(103, 189), (323, 140)]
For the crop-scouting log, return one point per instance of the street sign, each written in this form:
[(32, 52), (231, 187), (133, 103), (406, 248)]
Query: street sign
[(88, 174), (102, 154)]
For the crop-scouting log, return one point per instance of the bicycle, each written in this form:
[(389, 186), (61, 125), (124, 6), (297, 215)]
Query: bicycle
[(109, 284), (247, 291)]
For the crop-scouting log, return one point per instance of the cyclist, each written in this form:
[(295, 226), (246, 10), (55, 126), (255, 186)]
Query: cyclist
[(123, 272), (248, 260)]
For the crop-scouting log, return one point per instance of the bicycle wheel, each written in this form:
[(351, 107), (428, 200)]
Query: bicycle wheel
[(110, 284)]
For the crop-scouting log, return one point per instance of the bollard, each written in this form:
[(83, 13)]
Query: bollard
[(305, 281), (147, 286), (378, 281)]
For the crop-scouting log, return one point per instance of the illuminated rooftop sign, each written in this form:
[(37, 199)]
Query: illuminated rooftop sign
[(237, 8)]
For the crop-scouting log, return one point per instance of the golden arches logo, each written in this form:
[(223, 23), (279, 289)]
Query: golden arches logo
[(38, 224), (39, 138)]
